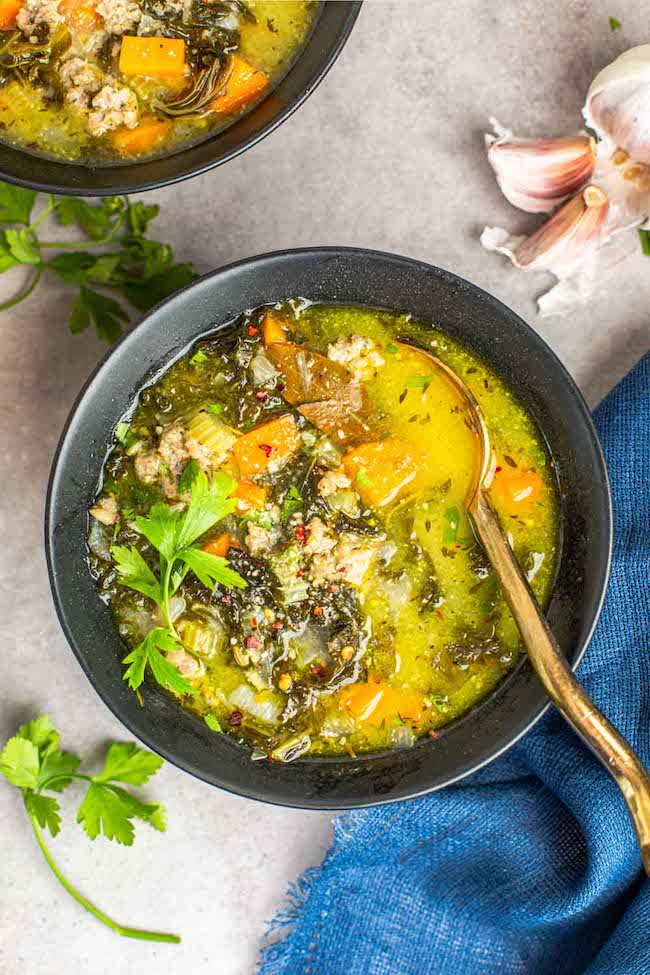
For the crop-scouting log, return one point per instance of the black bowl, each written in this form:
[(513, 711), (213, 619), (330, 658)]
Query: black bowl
[(329, 34), (354, 277)]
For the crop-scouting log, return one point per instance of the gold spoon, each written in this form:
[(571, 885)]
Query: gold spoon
[(558, 680)]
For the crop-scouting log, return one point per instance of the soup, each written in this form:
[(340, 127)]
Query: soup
[(104, 81), (282, 538)]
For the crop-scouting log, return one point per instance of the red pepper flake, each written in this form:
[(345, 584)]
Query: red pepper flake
[(299, 574), (343, 568), (318, 610), (225, 599), (334, 587), (317, 671), (261, 396), (280, 387), (301, 534), (439, 615), (497, 470), (253, 622), (277, 626), (235, 719), (253, 643), (267, 448), (433, 734), (252, 330)]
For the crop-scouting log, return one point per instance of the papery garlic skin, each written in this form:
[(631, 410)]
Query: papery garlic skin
[(618, 103), (537, 175), (562, 241)]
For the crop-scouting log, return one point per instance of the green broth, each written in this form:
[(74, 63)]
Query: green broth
[(414, 630)]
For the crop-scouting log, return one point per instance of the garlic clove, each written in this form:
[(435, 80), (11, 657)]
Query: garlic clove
[(537, 175), (562, 241), (618, 103), (627, 185)]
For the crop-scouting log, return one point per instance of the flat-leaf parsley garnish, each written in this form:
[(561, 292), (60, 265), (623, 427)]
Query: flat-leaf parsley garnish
[(173, 534), (138, 269), (33, 762)]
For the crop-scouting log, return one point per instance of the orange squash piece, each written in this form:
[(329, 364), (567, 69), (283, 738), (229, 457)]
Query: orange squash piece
[(221, 544), (80, 15), (244, 86), (250, 495), (155, 57), (376, 701), (381, 471), (267, 446), (273, 330), (515, 489), (146, 137), (9, 10)]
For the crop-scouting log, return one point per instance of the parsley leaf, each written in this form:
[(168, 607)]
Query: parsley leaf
[(96, 220), (110, 811), (148, 653), (199, 356), (292, 502), (16, 203), (211, 569), (45, 809), (614, 24), (210, 502), (128, 764), (20, 763), (215, 408), (22, 246), (188, 477), (92, 308), (7, 259), (135, 573), (140, 216), (212, 722), (160, 527)]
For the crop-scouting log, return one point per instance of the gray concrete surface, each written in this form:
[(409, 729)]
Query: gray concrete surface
[(388, 154)]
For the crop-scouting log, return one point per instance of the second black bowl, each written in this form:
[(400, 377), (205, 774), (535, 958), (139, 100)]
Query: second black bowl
[(331, 31), (350, 277)]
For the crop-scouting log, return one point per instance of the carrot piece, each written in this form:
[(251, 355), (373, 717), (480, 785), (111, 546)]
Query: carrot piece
[(80, 15), (381, 471), (250, 495), (364, 701), (145, 137), (9, 10), (377, 701), (273, 330), (268, 446), (156, 57), (515, 489), (221, 544), (244, 85)]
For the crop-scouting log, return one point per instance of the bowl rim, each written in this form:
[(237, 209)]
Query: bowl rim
[(161, 747), (144, 184)]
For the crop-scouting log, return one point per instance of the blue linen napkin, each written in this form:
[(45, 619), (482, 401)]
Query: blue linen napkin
[(530, 866)]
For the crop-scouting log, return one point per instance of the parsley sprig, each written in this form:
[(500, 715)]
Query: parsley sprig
[(173, 534), (33, 761), (117, 256)]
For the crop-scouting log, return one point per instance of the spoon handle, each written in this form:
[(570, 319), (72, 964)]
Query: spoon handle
[(567, 694)]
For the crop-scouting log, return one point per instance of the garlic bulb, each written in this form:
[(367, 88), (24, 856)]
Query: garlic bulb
[(596, 229), (618, 101), (537, 175)]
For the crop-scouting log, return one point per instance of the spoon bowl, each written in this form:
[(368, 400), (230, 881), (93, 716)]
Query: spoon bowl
[(568, 695)]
